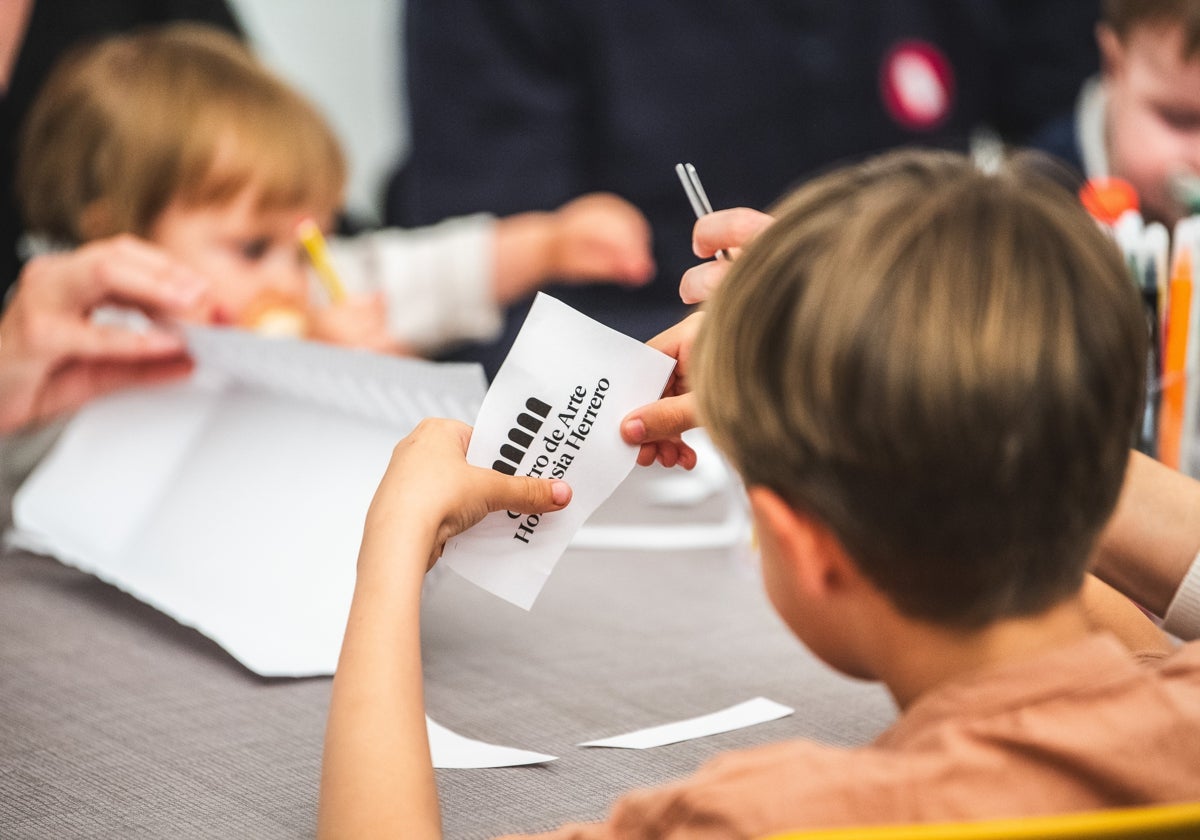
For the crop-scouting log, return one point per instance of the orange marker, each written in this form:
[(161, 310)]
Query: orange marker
[(1174, 381)]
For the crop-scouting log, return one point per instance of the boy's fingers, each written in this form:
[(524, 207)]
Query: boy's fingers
[(687, 456), (646, 454), (676, 341), (730, 228), (666, 418), (700, 281), (524, 494)]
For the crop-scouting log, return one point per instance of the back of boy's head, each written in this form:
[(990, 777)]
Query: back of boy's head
[(1123, 16), (942, 366), (126, 126)]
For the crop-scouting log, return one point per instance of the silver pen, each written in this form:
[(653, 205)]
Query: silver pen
[(701, 206)]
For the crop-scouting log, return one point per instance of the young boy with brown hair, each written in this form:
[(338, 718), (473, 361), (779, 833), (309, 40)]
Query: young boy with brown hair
[(928, 378), (180, 136), (1140, 120)]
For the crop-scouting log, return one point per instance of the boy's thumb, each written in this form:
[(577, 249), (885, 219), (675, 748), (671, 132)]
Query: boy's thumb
[(525, 494), (669, 417)]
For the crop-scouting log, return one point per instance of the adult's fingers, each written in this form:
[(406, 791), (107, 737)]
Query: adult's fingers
[(96, 341), (81, 382), (124, 271), (730, 228), (664, 419)]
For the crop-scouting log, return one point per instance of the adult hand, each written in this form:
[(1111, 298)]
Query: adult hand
[(597, 238), (53, 359), (657, 427), (600, 236), (430, 493)]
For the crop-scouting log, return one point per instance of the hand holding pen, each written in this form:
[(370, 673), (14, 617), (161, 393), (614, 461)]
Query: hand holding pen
[(723, 230), (657, 428), (358, 320), (715, 234)]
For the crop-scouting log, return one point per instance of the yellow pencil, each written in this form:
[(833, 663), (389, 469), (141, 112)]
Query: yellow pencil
[(318, 255)]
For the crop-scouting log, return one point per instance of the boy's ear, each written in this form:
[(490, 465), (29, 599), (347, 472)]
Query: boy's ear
[(1112, 51), (803, 546)]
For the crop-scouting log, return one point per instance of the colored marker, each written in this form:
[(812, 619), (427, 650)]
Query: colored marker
[(318, 254)]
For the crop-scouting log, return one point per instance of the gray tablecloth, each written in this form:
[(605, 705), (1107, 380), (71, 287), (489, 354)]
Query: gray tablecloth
[(117, 722)]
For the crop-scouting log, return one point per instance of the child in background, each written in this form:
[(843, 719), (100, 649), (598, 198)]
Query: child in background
[(928, 378), (180, 136), (1140, 121)]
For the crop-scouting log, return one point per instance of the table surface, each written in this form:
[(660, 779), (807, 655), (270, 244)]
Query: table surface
[(115, 721)]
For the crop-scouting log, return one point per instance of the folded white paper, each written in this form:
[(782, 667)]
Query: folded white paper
[(451, 751), (234, 502), (553, 411), (758, 710)]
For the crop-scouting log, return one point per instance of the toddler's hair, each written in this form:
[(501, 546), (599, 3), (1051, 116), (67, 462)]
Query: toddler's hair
[(181, 113)]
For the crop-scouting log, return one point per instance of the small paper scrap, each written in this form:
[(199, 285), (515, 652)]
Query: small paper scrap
[(553, 411), (750, 713), (452, 751)]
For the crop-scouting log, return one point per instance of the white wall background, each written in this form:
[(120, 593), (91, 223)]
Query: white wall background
[(345, 56)]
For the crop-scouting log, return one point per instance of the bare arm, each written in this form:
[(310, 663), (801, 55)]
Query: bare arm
[(1154, 535), (1107, 609), (377, 777)]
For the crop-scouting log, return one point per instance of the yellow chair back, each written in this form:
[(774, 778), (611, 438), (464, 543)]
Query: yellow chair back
[(1152, 822)]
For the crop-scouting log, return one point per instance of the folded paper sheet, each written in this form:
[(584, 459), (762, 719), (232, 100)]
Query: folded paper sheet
[(554, 411), (234, 502), (451, 751), (750, 713)]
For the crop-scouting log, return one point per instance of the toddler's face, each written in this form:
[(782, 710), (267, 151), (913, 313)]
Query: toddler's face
[(248, 255), (1154, 114)]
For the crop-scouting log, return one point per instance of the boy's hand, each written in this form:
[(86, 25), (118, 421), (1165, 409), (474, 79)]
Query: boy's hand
[(727, 230), (600, 236), (657, 427), (430, 492), (359, 321)]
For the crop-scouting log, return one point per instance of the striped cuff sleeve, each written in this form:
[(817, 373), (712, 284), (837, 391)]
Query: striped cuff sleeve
[(1183, 615)]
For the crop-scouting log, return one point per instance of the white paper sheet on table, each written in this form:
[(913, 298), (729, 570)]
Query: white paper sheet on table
[(749, 713), (234, 502), (451, 751), (553, 410)]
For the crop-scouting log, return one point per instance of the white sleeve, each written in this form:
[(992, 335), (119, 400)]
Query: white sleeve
[(436, 281), (1183, 614)]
